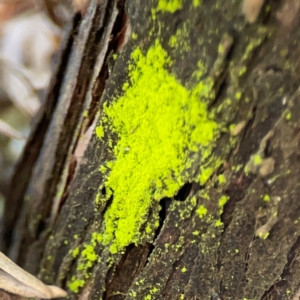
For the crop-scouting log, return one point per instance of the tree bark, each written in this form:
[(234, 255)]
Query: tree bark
[(230, 227)]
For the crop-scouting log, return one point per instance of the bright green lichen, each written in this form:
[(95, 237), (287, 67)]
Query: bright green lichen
[(238, 95), (288, 116), (134, 36), (76, 284), (87, 258), (89, 255), (169, 5), (75, 252), (183, 270), (201, 211), (159, 123), (100, 132), (219, 223), (257, 160), (180, 41), (148, 229), (197, 3), (263, 235), (221, 179), (222, 201), (200, 70), (208, 168)]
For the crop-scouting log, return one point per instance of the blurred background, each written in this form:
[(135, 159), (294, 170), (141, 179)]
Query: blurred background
[(30, 35)]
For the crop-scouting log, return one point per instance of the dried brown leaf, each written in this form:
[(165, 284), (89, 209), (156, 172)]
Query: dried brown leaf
[(17, 281)]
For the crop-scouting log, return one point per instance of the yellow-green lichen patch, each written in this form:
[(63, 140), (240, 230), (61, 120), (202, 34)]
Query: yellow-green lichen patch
[(221, 179), (183, 270), (159, 124), (134, 36), (169, 5), (180, 41), (75, 252), (197, 3), (100, 132), (87, 258), (288, 116), (219, 223), (201, 211), (222, 201), (76, 284)]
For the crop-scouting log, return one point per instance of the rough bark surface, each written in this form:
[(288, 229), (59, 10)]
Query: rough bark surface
[(250, 249)]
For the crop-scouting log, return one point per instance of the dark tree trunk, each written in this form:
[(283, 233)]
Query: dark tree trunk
[(209, 206)]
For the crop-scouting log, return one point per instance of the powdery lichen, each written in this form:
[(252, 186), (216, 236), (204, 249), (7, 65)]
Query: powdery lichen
[(159, 124)]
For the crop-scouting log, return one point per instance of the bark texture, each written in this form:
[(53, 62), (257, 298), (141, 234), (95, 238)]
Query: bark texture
[(232, 236)]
